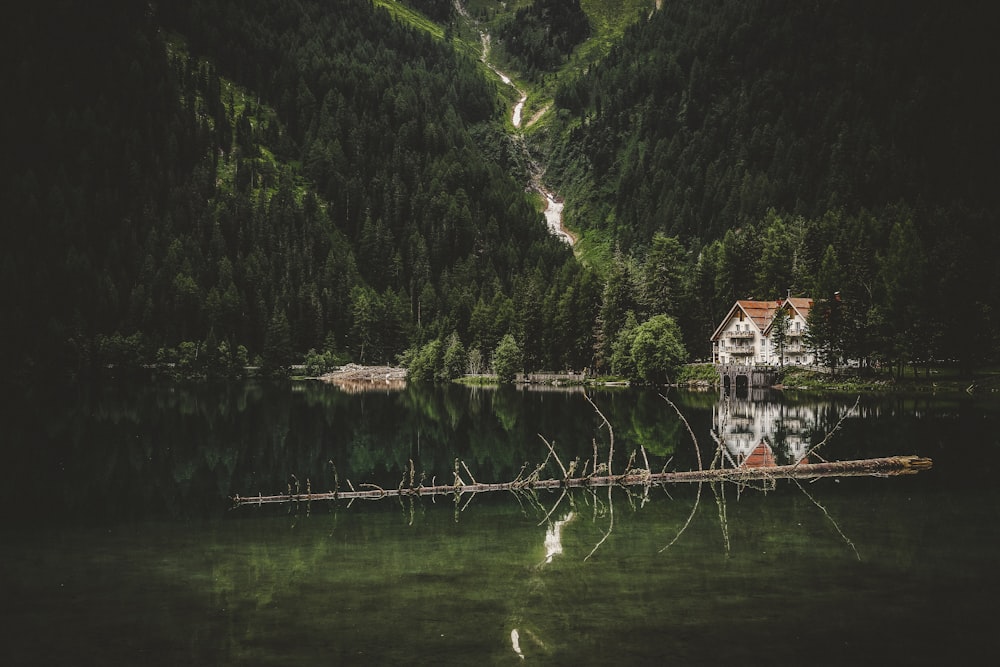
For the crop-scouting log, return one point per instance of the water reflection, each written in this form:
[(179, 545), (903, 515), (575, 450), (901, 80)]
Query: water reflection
[(553, 537), (380, 584), (366, 386), (759, 428), (182, 451), (553, 546)]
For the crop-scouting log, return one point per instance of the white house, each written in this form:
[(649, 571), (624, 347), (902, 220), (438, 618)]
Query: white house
[(745, 335), (795, 350)]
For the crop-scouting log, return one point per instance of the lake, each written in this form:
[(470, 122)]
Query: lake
[(120, 544)]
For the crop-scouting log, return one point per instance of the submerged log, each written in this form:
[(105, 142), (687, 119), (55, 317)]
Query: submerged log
[(880, 467)]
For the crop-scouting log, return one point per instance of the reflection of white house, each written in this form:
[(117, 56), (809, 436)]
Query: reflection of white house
[(553, 537), (743, 425), (746, 335), (754, 433)]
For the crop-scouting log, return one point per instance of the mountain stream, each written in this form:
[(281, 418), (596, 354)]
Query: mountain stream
[(553, 202)]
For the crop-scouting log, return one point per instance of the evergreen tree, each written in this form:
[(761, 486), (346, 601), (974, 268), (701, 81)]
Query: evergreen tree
[(903, 276), (662, 281), (455, 359), (779, 334), (508, 359), (277, 355)]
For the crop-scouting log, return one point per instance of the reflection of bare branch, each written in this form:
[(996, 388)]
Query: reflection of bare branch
[(611, 524), (468, 502), (530, 494), (836, 427), (830, 518), (720, 501), (551, 511), (697, 497)]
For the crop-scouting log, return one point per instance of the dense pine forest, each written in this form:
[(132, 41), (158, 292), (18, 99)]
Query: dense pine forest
[(217, 182), (207, 185), (539, 37), (744, 149)]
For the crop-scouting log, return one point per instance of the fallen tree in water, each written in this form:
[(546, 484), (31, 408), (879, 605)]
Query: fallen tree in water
[(878, 467), (762, 475), (601, 474)]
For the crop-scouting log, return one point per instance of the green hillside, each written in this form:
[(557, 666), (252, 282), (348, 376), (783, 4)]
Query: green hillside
[(292, 179), (763, 134), (711, 113)]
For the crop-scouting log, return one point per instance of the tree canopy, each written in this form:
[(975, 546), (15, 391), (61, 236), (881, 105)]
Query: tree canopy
[(211, 183)]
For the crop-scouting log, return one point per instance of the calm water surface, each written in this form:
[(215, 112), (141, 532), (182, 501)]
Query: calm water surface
[(119, 546)]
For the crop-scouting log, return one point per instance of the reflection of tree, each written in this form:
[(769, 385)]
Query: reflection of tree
[(651, 429), (505, 407), (527, 633)]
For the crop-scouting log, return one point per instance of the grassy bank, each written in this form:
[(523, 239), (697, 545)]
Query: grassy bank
[(933, 379)]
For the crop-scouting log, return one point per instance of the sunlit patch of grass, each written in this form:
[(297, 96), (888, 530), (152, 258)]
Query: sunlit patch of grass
[(698, 374), (406, 14)]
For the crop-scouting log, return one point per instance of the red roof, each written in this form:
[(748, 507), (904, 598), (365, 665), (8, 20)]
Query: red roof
[(758, 312), (761, 313), (760, 457), (801, 305)]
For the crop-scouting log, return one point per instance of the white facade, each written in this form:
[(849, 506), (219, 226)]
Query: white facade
[(745, 335), (741, 342)]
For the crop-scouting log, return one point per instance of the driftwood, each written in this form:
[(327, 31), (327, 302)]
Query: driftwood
[(879, 467)]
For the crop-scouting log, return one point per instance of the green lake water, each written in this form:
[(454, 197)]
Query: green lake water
[(119, 545)]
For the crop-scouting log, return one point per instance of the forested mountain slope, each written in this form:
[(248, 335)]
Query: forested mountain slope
[(337, 196), (710, 113), (207, 183), (734, 149)]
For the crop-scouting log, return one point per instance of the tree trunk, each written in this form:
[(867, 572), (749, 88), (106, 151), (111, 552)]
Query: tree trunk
[(880, 467)]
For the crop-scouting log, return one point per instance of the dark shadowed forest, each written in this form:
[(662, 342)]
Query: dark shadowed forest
[(209, 185)]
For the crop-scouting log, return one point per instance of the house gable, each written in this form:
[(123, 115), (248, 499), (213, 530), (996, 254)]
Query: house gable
[(759, 313), (800, 306), (745, 333)]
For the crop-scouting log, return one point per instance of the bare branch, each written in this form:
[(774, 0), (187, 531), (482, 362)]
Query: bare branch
[(697, 497), (611, 434), (611, 524), (552, 451), (470, 473)]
